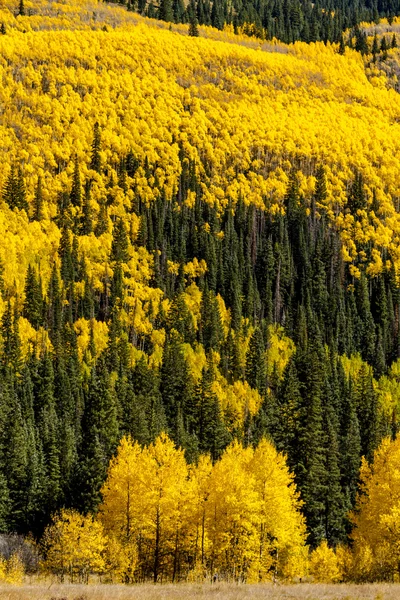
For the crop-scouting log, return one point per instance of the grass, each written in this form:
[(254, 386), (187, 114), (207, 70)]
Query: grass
[(219, 591)]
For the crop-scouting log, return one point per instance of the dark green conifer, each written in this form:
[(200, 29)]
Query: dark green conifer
[(193, 21), (165, 12), (33, 305), (87, 219), (75, 195), (120, 242), (95, 161), (256, 374), (38, 201), (102, 220)]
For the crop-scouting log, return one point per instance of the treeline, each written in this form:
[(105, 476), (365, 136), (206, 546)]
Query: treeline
[(64, 406), (288, 21), (235, 520)]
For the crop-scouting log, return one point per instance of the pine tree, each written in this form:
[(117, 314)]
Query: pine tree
[(33, 305), (375, 46), (256, 362), (75, 195), (95, 161), (165, 11), (120, 242), (342, 47), (310, 470), (14, 191), (102, 220), (211, 433), (193, 21), (87, 220), (4, 504), (38, 201), (175, 385), (210, 326), (335, 506), (217, 15)]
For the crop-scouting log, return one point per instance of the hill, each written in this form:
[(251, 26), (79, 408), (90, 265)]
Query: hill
[(200, 236)]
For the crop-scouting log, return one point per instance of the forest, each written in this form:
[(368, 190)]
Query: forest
[(199, 299)]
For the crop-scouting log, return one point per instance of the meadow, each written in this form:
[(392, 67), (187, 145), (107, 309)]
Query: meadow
[(219, 591)]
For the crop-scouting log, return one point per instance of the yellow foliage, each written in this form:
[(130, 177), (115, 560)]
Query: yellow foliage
[(14, 570), (233, 105), (352, 365), (74, 546), (377, 532), (195, 358), (240, 515), (3, 569), (83, 329), (30, 338), (280, 349), (324, 564), (237, 401), (11, 570), (121, 559)]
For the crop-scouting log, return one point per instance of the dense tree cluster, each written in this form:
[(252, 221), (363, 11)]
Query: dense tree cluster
[(65, 405), (173, 264), (288, 21)]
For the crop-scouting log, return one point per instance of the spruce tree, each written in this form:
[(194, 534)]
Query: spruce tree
[(75, 195), (210, 430), (193, 21), (120, 242), (33, 305), (38, 201), (95, 161), (165, 12), (256, 374)]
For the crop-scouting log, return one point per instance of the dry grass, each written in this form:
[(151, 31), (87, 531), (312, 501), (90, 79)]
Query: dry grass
[(193, 591)]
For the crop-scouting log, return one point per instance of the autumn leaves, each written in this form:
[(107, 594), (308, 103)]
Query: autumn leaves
[(164, 520)]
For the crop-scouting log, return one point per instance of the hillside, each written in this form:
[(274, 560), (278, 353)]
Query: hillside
[(200, 236)]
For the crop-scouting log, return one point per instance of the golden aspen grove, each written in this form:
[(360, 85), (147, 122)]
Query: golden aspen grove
[(199, 293)]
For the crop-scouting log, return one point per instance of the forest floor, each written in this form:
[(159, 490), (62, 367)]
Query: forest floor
[(196, 591)]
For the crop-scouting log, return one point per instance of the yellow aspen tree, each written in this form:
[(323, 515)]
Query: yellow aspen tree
[(3, 569), (377, 531), (143, 501), (199, 492), (324, 564), (282, 550), (14, 570), (233, 514), (166, 482), (74, 546)]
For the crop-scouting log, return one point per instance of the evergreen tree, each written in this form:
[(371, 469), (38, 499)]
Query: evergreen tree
[(95, 161), (33, 305), (14, 190), (120, 242), (38, 201), (211, 433), (256, 362), (76, 189), (165, 11), (193, 21)]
